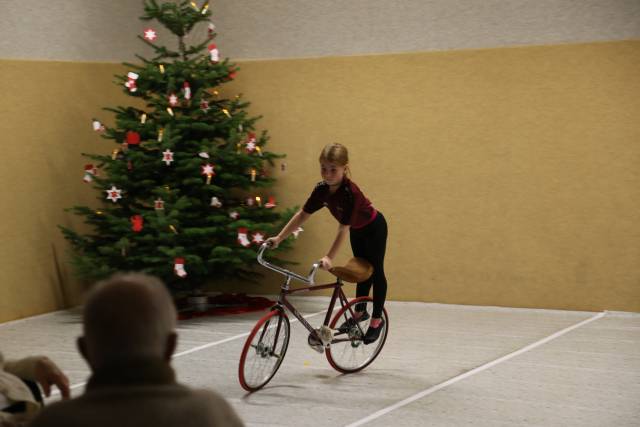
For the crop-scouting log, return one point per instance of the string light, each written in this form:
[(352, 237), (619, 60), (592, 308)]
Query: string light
[(161, 66), (225, 111), (173, 228), (114, 154), (160, 134), (170, 111), (205, 8), (194, 5), (253, 175), (143, 118), (259, 200)]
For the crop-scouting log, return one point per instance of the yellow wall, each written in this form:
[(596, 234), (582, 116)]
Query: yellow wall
[(508, 176)]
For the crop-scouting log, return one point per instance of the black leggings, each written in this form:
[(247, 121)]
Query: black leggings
[(370, 243)]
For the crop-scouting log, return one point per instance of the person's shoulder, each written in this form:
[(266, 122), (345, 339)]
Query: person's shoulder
[(218, 408), (321, 187), (55, 413)]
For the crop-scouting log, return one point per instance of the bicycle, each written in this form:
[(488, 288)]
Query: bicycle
[(266, 345)]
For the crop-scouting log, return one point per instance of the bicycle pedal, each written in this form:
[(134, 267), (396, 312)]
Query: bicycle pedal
[(315, 344)]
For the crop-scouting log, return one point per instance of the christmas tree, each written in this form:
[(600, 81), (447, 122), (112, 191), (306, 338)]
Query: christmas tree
[(185, 192)]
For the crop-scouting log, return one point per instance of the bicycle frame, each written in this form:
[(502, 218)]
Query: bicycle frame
[(285, 289)]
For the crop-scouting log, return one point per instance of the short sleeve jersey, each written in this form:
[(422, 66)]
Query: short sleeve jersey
[(347, 204)]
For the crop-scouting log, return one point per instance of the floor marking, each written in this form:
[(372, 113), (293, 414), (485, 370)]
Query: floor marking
[(474, 371), (56, 392)]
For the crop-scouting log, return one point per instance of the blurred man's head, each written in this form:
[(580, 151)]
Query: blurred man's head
[(128, 317)]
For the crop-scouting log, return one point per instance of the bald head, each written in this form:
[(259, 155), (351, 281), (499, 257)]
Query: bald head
[(128, 316)]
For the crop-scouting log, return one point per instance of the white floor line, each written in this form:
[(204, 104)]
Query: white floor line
[(474, 371), (56, 392)]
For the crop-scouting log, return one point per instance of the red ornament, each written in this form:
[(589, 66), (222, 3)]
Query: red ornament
[(136, 223), (133, 138)]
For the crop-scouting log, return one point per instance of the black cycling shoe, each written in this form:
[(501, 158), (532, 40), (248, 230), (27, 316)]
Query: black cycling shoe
[(351, 322), (373, 333)]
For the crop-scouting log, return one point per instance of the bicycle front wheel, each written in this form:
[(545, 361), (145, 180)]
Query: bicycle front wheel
[(348, 353), (264, 350)]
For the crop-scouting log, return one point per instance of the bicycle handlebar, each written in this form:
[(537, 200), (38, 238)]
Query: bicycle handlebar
[(310, 280)]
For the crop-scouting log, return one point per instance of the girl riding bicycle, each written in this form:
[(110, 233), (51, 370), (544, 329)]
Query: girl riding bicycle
[(366, 226)]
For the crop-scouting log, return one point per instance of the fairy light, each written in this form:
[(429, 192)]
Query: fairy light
[(114, 154), (259, 200), (173, 229), (99, 212), (194, 5), (160, 134), (226, 112), (238, 147), (205, 8), (253, 175), (161, 66), (170, 111), (143, 118), (259, 150), (216, 93)]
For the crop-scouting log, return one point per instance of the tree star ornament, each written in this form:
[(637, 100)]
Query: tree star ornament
[(114, 194), (204, 105), (257, 238), (208, 171), (234, 215), (173, 100), (158, 204), (167, 156), (150, 34)]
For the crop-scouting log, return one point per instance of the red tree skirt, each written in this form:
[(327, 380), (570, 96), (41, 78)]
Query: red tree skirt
[(224, 304)]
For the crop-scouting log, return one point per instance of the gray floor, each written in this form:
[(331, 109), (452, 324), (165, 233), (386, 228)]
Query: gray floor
[(442, 366)]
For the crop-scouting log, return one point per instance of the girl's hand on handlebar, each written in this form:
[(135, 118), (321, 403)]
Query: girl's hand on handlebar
[(325, 263), (272, 242)]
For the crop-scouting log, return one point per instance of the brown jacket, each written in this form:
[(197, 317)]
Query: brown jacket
[(140, 394)]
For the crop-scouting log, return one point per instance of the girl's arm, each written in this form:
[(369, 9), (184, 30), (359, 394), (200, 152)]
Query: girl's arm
[(296, 221), (326, 260)]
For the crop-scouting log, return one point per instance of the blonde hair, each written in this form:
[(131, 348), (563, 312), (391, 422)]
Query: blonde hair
[(335, 153)]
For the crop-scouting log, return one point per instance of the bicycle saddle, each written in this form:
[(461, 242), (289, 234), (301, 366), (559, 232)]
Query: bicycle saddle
[(355, 271)]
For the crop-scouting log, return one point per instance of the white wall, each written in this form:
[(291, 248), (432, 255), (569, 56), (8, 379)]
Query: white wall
[(105, 30)]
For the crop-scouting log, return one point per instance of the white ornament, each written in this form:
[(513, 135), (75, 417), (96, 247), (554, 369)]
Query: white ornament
[(297, 232), (167, 156), (114, 194), (204, 155), (213, 51), (215, 202), (234, 215), (97, 126), (257, 238), (178, 268), (150, 34), (242, 237)]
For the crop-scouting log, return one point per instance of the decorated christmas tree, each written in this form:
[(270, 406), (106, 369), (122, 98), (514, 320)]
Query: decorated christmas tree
[(185, 191)]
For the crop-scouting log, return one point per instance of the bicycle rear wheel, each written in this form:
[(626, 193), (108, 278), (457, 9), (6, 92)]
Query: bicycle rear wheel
[(264, 350), (347, 352)]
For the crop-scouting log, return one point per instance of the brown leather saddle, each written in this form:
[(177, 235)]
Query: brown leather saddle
[(355, 271)]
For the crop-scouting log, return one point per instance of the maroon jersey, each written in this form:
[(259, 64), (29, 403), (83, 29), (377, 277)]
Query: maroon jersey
[(347, 204)]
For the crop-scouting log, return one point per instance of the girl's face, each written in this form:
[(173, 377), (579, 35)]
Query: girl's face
[(332, 173)]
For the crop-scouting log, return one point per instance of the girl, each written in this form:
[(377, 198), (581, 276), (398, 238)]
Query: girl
[(366, 226)]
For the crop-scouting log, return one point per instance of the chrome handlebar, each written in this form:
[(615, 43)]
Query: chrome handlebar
[(309, 280)]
